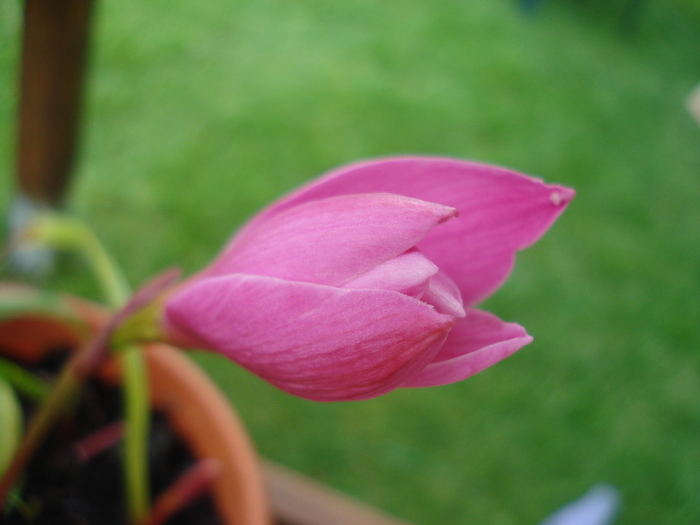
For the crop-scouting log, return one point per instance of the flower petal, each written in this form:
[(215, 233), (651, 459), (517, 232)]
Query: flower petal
[(408, 274), (501, 211), (314, 341), (476, 342), (444, 295), (331, 241)]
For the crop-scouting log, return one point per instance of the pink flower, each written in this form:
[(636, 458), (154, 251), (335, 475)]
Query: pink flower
[(364, 280)]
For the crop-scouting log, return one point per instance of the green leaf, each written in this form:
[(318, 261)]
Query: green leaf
[(23, 381), (10, 424)]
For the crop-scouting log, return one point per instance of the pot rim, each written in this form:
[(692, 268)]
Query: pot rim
[(197, 410)]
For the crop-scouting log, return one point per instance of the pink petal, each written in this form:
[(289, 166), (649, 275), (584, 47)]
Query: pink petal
[(331, 241), (314, 341), (444, 295), (476, 342), (408, 274), (501, 211)]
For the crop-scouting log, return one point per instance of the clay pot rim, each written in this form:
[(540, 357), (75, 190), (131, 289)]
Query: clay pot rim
[(194, 406)]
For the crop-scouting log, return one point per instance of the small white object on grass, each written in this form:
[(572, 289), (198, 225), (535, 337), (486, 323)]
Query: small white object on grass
[(693, 103), (26, 257), (598, 506)]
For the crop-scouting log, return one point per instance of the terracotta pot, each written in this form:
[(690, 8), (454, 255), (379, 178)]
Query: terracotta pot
[(197, 411)]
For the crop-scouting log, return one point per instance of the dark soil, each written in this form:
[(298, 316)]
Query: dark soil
[(61, 489)]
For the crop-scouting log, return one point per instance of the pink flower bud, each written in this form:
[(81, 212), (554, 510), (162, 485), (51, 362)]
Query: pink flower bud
[(364, 280)]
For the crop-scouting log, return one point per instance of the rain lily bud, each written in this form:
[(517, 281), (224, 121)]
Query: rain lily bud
[(364, 280)]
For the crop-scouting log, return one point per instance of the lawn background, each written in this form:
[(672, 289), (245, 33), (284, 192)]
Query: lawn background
[(198, 113)]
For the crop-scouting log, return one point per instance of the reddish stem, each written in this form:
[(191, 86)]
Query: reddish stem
[(80, 367), (184, 491), (99, 441), (62, 396)]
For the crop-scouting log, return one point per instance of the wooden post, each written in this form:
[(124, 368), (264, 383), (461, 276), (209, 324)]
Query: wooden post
[(53, 69)]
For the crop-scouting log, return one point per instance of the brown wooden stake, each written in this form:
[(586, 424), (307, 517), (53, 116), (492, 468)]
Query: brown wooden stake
[(53, 70)]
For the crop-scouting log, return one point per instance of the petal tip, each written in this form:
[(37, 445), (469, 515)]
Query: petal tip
[(448, 213), (560, 195)]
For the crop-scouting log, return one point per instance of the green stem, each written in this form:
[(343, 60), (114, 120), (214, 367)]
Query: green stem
[(115, 286), (136, 395), (23, 381), (66, 232), (136, 432)]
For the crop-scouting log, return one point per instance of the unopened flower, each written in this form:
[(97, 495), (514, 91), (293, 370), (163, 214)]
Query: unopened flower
[(364, 280)]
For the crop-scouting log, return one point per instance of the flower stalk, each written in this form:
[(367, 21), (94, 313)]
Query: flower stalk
[(137, 416), (64, 232)]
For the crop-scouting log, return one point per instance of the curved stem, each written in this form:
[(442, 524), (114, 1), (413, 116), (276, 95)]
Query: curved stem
[(65, 232), (115, 285), (69, 233), (135, 379)]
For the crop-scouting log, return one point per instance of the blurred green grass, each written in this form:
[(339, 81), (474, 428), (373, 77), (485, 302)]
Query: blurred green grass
[(200, 113)]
